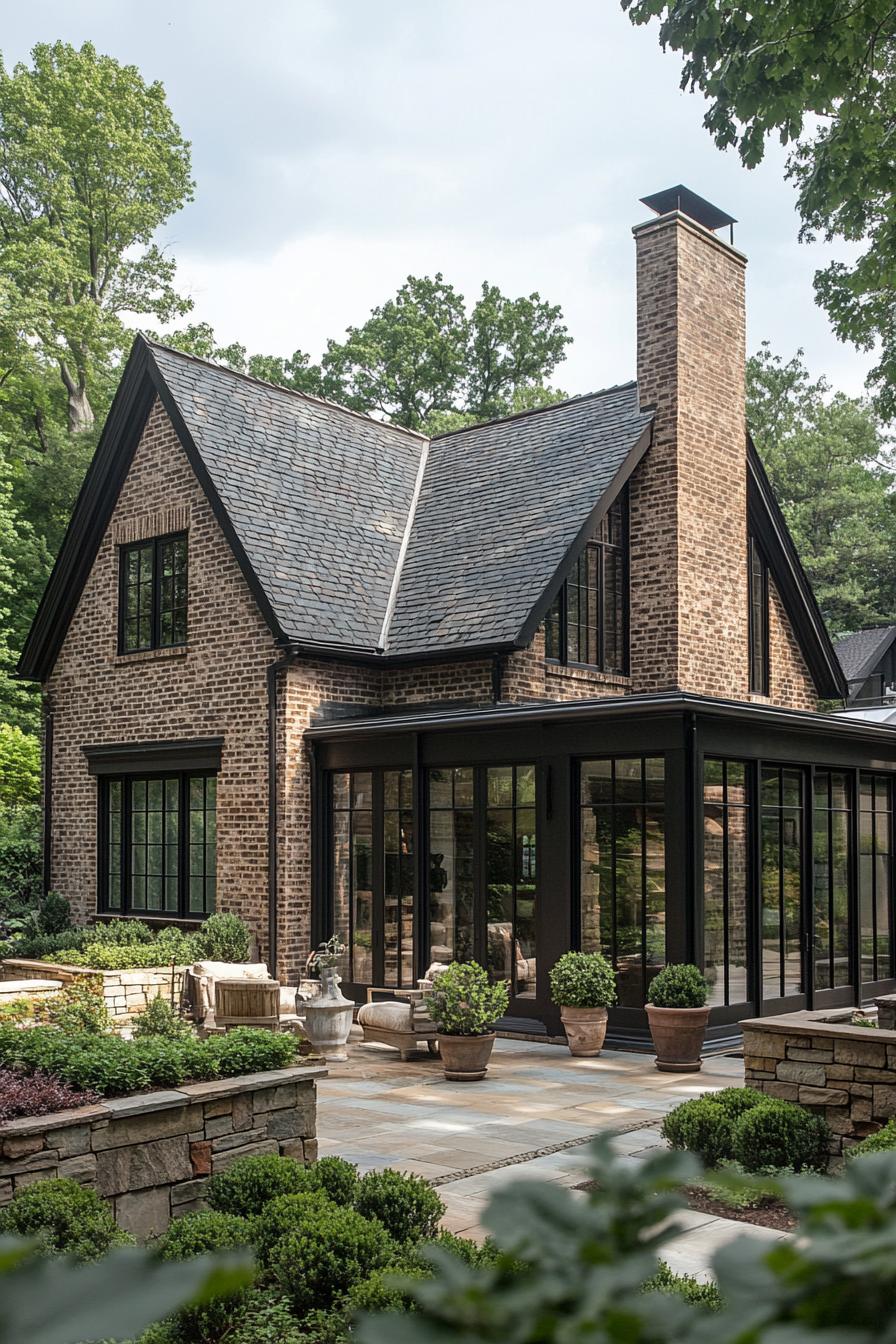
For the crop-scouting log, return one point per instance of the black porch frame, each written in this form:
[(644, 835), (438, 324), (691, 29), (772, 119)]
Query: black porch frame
[(556, 738)]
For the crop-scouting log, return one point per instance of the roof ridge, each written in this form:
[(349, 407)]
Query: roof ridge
[(539, 410), (279, 387), (403, 550)]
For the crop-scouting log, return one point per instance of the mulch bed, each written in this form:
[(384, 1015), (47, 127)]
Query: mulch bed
[(774, 1214)]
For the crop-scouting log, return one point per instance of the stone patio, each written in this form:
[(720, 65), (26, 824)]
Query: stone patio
[(531, 1117)]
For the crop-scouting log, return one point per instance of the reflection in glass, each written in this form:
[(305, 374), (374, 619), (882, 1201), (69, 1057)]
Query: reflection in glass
[(725, 879), (450, 896), (398, 879), (511, 877), (830, 880), (782, 855), (623, 877), (875, 877), (352, 871)]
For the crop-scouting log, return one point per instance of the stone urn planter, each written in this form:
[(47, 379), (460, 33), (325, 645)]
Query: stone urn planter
[(464, 1006), (328, 1017), (583, 985), (677, 1015), (465, 1058)]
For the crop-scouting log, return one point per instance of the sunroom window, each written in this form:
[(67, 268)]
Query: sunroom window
[(587, 622)]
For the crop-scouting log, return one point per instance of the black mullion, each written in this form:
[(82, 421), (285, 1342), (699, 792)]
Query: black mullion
[(183, 845), (644, 875), (351, 876), (378, 877), (782, 923), (873, 814), (126, 823), (725, 881), (614, 929), (600, 574)]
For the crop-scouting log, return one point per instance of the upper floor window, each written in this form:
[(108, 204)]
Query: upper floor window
[(152, 602), (758, 620), (588, 620)]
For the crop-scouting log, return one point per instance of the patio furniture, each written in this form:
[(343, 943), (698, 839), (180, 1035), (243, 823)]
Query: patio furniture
[(247, 1003), (402, 1021), (203, 978)]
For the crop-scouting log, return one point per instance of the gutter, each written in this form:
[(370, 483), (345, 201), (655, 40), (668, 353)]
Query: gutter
[(274, 669)]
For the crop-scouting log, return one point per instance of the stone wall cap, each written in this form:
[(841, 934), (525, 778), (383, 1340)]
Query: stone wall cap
[(140, 1102), (815, 1023), (34, 1124), (224, 1087), (136, 974)]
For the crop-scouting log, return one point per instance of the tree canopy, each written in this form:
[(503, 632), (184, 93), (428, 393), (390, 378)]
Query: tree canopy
[(823, 77)]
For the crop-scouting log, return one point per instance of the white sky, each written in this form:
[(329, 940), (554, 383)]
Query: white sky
[(339, 145)]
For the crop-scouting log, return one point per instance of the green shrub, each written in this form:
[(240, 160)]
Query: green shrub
[(880, 1142), (463, 1002), (583, 980), (54, 913), (780, 1134), (253, 1050), (382, 1291), (120, 933), (80, 1006), (65, 1218), (110, 956), (332, 1250), (160, 1019), (198, 1234), (21, 865), (665, 1280), (462, 1248), (284, 1215), (735, 1100), (266, 1317), (337, 1178), (247, 1185), (701, 1126), (49, 946), (223, 937), (678, 987), (407, 1206)]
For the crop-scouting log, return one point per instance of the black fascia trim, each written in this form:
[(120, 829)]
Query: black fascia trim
[(664, 702), (586, 532), (211, 493), (128, 758), (771, 528), (90, 517)]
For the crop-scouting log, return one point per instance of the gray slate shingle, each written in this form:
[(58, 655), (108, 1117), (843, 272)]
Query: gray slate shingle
[(320, 497), (859, 653)]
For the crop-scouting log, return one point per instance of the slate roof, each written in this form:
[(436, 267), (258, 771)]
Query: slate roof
[(859, 653), (500, 506), (318, 496)]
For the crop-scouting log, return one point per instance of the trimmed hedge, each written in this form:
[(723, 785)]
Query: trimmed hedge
[(331, 1251), (198, 1234), (115, 1067), (250, 1183), (744, 1125), (65, 1218), (407, 1206)]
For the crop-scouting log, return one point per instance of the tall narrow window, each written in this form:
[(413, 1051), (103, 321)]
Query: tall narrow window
[(726, 829), (451, 864), (398, 878), (587, 622), (159, 845), (510, 862), (830, 886), (623, 871), (352, 823), (758, 616), (153, 594), (876, 877), (782, 881)]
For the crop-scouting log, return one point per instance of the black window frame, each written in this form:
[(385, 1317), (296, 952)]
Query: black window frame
[(559, 611), (127, 906), (758, 643), (124, 551)]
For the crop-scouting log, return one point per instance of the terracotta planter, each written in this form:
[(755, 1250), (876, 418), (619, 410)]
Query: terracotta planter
[(465, 1058), (678, 1037), (585, 1029)]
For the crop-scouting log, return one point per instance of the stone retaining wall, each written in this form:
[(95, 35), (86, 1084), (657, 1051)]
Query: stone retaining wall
[(846, 1073), (150, 1155), (125, 992)]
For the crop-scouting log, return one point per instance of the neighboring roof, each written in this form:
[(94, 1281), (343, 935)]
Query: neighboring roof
[(768, 524), (501, 507), (860, 653)]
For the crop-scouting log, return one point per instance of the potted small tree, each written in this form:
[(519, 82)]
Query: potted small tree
[(583, 985), (465, 1006), (677, 1013)]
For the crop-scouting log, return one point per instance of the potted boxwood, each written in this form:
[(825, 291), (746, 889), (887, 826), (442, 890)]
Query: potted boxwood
[(465, 1006), (583, 985), (677, 1013)]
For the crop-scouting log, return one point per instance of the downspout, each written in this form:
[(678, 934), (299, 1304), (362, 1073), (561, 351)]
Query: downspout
[(48, 801), (273, 672), (497, 678)]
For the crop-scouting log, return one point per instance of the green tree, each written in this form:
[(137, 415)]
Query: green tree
[(91, 164), (820, 75), (832, 471), (19, 767), (296, 371)]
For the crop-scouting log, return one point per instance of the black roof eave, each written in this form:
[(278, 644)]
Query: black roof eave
[(874, 658), (627, 706)]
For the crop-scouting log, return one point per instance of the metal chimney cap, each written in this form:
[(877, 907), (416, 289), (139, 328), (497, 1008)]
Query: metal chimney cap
[(690, 204)]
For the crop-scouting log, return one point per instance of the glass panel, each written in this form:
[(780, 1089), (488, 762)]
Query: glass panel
[(362, 896), (451, 884), (830, 936), (398, 881), (875, 878)]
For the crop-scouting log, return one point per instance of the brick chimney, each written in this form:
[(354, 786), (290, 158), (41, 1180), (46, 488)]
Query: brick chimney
[(688, 524)]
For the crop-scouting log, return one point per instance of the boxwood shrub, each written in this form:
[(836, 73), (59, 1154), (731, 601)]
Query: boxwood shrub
[(701, 1127), (407, 1206), (678, 987), (759, 1132), (197, 1234), (65, 1218), (337, 1178), (249, 1183), (284, 1216), (331, 1251), (583, 980), (882, 1141)]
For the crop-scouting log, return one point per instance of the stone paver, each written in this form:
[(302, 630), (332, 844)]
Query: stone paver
[(472, 1138)]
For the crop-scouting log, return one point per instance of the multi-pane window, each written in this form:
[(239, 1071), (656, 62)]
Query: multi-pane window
[(159, 845), (830, 886), (758, 618), (153, 594), (623, 869), (726, 833), (451, 830), (782, 881), (875, 877), (587, 622), (352, 822), (398, 878), (510, 862)]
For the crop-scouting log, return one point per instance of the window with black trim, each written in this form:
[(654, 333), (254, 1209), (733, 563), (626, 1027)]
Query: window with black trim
[(758, 619), (158, 844), (588, 620), (152, 599)]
